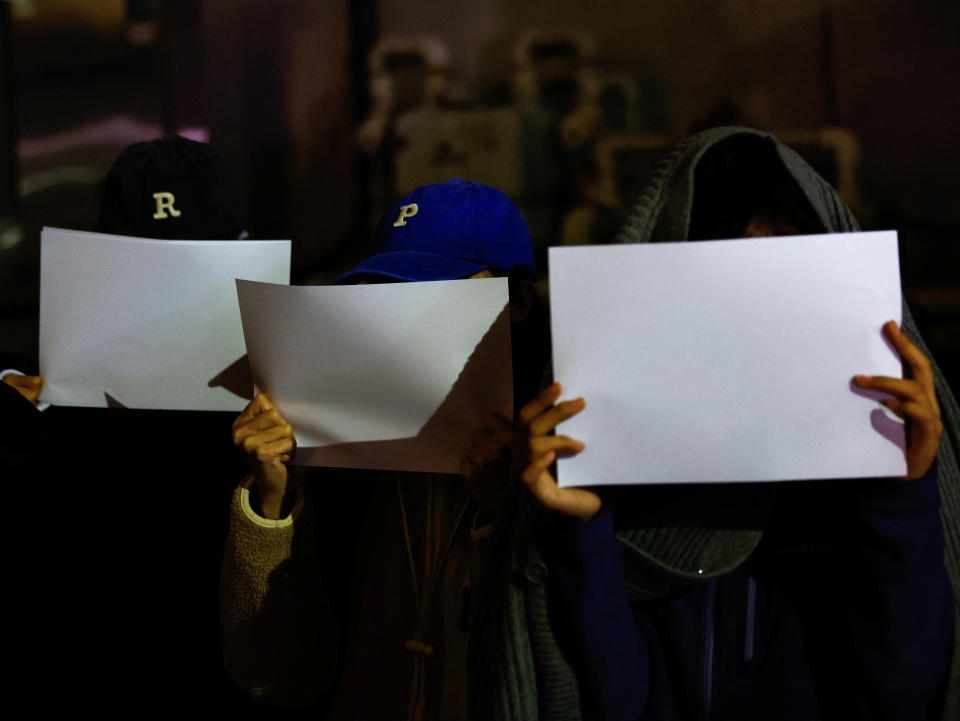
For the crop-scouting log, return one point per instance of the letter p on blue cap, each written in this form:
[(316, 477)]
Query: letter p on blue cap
[(445, 231)]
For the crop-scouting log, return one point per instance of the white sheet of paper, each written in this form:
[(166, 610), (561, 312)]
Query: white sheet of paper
[(727, 360), (390, 376), (149, 323)]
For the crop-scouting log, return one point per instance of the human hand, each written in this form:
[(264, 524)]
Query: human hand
[(914, 400), (486, 464), (534, 452), (266, 441), (28, 386)]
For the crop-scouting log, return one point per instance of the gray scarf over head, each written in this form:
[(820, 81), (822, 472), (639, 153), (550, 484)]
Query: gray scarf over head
[(516, 668)]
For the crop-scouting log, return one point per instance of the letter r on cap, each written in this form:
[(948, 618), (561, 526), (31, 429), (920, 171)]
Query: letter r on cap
[(406, 211), (165, 204)]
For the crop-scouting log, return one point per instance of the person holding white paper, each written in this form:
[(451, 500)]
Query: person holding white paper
[(167, 188), (162, 189), (339, 581), (806, 600)]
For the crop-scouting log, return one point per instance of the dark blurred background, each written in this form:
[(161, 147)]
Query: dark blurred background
[(328, 111)]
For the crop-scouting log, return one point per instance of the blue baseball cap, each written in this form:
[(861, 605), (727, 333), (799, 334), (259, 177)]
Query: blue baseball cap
[(446, 231)]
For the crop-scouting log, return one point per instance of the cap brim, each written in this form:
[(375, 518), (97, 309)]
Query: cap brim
[(412, 265)]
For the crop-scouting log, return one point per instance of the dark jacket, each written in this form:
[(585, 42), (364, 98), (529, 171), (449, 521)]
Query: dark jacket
[(849, 616)]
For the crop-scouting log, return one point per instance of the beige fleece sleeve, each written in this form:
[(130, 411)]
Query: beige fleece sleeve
[(281, 641)]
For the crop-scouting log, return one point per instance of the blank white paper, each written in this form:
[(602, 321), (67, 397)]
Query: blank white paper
[(388, 376), (727, 360), (147, 323)]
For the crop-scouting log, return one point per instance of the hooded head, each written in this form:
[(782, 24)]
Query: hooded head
[(741, 188), (731, 183), (171, 188), (711, 185)]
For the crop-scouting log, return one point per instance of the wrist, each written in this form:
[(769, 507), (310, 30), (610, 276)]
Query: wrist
[(273, 505)]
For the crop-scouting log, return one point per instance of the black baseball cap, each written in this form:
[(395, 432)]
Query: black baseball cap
[(171, 188)]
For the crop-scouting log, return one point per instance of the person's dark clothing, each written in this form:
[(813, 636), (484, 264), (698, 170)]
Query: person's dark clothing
[(781, 636), (851, 649)]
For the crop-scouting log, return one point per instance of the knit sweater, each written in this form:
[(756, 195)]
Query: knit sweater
[(318, 609)]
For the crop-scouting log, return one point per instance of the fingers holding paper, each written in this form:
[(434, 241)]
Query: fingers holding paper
[(535, 451), (266, 440), (914, 400), (27, 386)]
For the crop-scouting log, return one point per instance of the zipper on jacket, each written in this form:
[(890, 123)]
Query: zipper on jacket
[(751, 618), (708, 650)]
